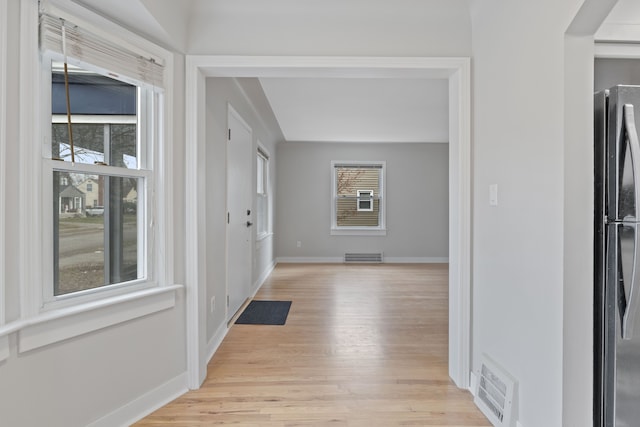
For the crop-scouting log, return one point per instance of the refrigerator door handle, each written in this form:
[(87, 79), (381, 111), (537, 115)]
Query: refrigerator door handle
[(631, 309), (634, 148), (628, 320)]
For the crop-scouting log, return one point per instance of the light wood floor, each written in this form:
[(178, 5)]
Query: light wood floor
[(364, 345)]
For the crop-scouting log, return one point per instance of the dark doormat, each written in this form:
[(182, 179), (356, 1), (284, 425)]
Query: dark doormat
[(265, 313)]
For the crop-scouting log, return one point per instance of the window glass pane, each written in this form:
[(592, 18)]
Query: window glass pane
[(88, 141), (352, 211), (364, 204), (123, 146), (260, 175), (95, 231), (262, 214), (104, 112)]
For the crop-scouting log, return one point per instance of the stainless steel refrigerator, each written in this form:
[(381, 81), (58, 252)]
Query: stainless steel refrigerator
[(617, 258)]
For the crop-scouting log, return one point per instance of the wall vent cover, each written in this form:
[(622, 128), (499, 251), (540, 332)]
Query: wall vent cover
[(354, 257), (495, 393)]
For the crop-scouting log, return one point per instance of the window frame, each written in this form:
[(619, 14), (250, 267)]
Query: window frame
[(38, 326), (148, 104), (381, 229), (262, 153)]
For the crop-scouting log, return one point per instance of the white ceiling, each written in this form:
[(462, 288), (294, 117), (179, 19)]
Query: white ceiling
[(360, 110)]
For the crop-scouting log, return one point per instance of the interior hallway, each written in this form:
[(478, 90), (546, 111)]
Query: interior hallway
[(364, 345)]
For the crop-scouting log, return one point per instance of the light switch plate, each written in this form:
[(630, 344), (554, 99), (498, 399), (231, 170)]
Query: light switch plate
[(493, 195)]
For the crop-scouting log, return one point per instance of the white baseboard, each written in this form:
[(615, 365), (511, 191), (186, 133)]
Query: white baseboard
[(416, 260), (145, 404), (340, 260), (310, 260), (216, 340)]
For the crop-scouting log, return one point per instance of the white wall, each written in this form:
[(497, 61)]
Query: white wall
[(254, 110), (330, 27), (578, 233), (79, 380), (416, 195), (519, 246)]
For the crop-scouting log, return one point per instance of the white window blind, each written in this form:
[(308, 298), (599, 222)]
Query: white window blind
[(88, 48)]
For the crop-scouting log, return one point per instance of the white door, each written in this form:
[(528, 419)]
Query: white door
[(239, 214)]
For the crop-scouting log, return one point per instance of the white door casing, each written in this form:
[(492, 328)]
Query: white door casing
[(239, 214), (456, 70)]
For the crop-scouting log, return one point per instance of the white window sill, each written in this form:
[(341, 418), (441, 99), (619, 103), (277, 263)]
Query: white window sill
[(57, 325), (358, 232)]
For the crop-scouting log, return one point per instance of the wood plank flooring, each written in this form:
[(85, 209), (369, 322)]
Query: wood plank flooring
[(364, 345)]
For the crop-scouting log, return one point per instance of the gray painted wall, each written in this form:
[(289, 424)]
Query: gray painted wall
[(220, 93), (610, 72), (416, 200)]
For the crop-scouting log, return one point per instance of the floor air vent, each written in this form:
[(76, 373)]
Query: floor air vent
[(351, 257), (495, 393)]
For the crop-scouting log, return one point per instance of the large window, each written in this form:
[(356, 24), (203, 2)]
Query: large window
[(262, 196), (358, 202), (104, 121)]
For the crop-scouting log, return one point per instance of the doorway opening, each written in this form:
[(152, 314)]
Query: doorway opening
[(456, 70)]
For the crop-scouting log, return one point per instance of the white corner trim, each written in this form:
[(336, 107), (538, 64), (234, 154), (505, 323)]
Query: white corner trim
[(460, 224), (3, 144), (58, 325), (4, 348), (216, 340), (195, 247), (473, 383), (144, 405), (415, 260), (29, 209)]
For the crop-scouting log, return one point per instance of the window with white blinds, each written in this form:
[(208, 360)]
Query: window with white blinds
[(83, 48), (358, 196), (103, 130)]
